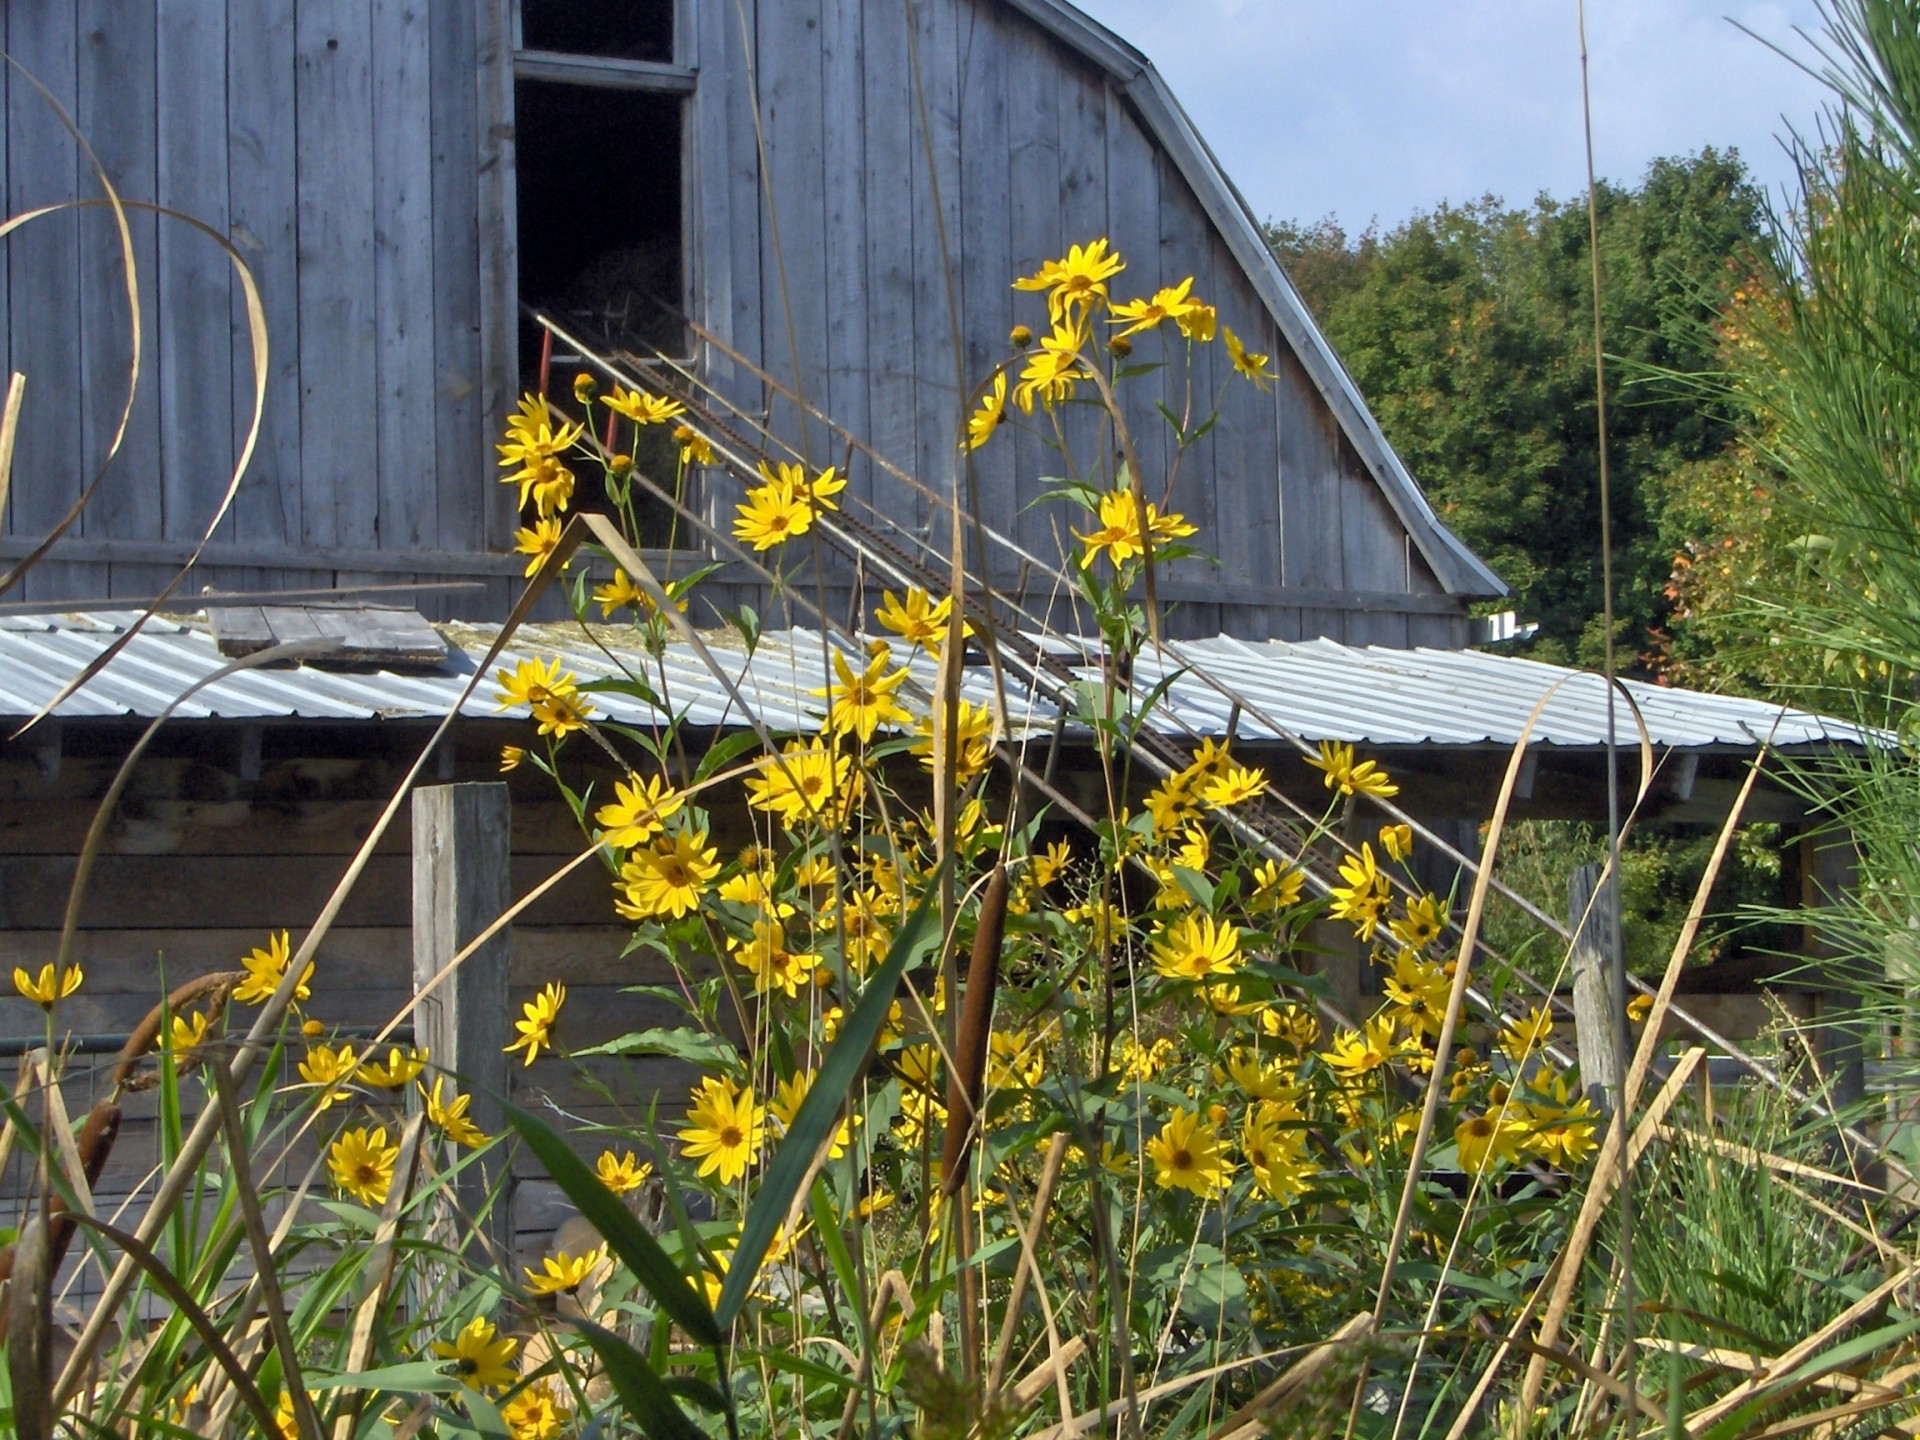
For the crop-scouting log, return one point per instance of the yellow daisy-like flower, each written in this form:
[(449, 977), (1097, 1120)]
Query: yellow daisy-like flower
[(561, 1271), (534, 446), (1050, 864), (1362, 899), (1366, 778), (642, 408), (481, 1355), (1257, 368), (1521, 1039), (771, 515), (724, 1129), (534, 1414), (972, 738), (1239, 785), (186, 1034), (919, 619), (1488, 1140), (1418, 991), (46, 989), (510, 758), (563, 714), (1260, 1080), (531, 682), (1357, 1054), (807, 782), (616, 594), (668, 878), (789, 1095), (1052, 371), (328, 1070), (1638, 1008), (1168, 303), (536, 1021), (1275, 889), (1276, 1149), (1290, 1023), (638, 812), (1197, 323), (266, 968), (765, 956), (1187, 1155), (860, 704), (695, 448), (450, 1115), (1120, 536), (621, 1174), (1558, 1127), (537, 542), (993, 409), (1076, 280), (362, 1164), (1425, 920), (816, 494), (400, 1068), (1196, 947), (1397, 841)]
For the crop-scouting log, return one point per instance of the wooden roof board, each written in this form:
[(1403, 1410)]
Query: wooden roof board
[(378, 635)]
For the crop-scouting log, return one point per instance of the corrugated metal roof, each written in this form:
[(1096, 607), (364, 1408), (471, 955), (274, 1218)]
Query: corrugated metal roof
[(1316, 689)]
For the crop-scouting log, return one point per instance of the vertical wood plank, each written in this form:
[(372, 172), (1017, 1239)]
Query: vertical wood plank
[(1310, 548), (986, 254), (339, 396), (463, 475), (43, 272), (1033, 211), (1598, 1008), (890, 141), (461, 863), (1188, 246), (1082, 121), (1133, 225), (263, 182), (934, 162), (1374, 551), (117, 80), (404, 296), (195, 279), (497, 243), (793, 241), (844, 179)]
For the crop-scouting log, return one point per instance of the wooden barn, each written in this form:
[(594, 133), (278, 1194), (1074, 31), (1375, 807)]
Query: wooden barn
[(811, 203)]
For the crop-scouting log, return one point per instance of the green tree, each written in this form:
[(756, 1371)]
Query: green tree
[(1469, 330)]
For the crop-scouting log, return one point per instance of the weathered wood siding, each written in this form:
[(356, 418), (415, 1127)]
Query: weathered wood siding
[(863, 184), (338, 147)]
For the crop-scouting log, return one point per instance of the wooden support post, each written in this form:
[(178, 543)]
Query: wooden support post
[(1598, 1010), (460, 885)]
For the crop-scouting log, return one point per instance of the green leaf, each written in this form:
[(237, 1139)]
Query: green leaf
[(691, 1045), (643, 1394), (819, 1114), (722, 751), (692, 1387), (640, 1252), (417, 1377)]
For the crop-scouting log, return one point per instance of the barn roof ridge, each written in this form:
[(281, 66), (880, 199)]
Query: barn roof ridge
[(1459, 570)]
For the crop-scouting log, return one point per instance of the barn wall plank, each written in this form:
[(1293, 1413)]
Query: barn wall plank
[(496, 244), (793, 239), (1033, 211), (933, 100), (986, 252), (849, 316), (339, 322), (1310, 548), (1187, 246), (404, 296), (43, 270), (263, 183), (1133, 225), (1374, 551), (1082, 119), (890, 142), (117, 112)]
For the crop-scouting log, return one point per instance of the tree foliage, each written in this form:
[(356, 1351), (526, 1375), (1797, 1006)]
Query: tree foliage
[(1469, 329)]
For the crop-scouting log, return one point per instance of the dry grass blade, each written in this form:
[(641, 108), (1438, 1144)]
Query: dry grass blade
[(10, 432), (29, 1316), (1029, 1241), (1250, 1419), (1031, 1386)]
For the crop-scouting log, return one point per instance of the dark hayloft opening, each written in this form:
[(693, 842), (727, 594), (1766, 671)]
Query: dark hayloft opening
[(615, 29)]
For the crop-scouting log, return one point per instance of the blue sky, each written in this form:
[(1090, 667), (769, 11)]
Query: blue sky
[(1368, 109)]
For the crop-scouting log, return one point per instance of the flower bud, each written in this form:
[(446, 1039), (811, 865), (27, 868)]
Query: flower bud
[(1020, 337), (583, 387)]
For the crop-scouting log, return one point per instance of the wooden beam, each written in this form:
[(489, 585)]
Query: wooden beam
[(460, 885), (1593, 914)]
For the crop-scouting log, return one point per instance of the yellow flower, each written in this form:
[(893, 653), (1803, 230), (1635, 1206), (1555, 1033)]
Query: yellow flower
[(638, 812), (771, 515), (1260, 1080), (1120, 537), (621, 1174), (1558, 1128), (328, 1070), (724, 1129), (1168, 303), (534, 446), (972, 738), (789, 1095), (1051, 863), (537, 542), (1397, 841), (667, 879), (1276, 1149), (534, 1414), (531, 682), (362, 1164), (480, 1355), (1356, 1054), (860, 704), (1275, 889), (816, 494), (1238, 785), (1423, 923), (642, 408), (1015, 1060), (1366, 778), (993, 409), (561, 1271), (510, 757), (1291, 1023), (536, 1021), (563, 714), (1076, 279), (1052, 371), (695, 448), (1197, 322), (1521, 1038), (186, 1034), (401, 1067), (450, 1115), (1255, 367), (806, 782), (1418, 990), (265, 969), (1638, 1008), (1173, 802), (616, 594), (773, 967), (1487, 1140), (1186, 1155), (1196, 947), (919, 619), (1365, 894), (46, 990)]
